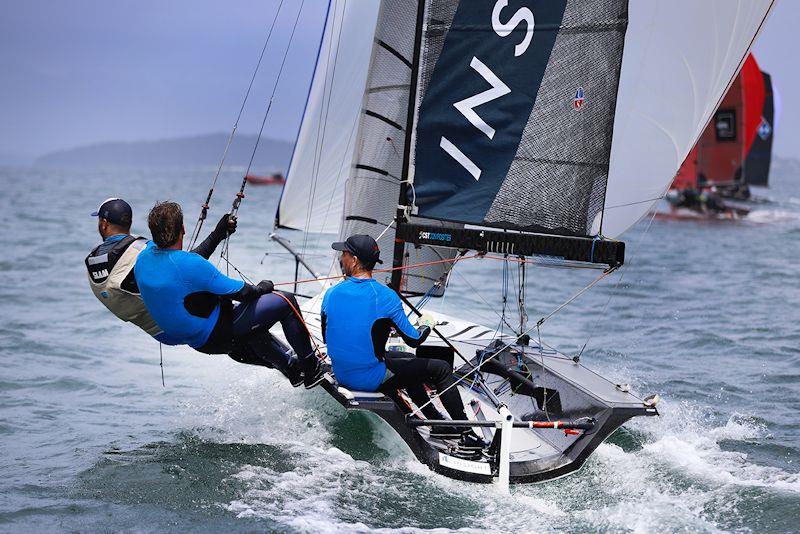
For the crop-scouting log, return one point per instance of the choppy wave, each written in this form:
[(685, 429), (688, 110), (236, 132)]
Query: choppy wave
[(706, 317), (683, 468)]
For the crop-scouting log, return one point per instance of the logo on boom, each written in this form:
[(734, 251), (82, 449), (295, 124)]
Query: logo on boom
[(433, 236)]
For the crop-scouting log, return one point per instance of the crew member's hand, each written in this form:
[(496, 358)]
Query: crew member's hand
[(426, 320), (265, 286), (226, 225)]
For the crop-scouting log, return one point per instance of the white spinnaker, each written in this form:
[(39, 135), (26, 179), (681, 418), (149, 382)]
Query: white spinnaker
[(313, 196), (679, 58)]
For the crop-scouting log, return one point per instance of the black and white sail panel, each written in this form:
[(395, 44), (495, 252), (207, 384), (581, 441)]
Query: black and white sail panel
[(517, 107), (373, 185), (559, 116)]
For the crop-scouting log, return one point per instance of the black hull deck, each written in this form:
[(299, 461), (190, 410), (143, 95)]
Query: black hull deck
[(537, 454)]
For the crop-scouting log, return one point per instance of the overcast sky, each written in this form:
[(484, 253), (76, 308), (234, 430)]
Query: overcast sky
[(83, 71)]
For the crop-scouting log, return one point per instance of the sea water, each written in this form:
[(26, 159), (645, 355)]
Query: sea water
[(705, 314)]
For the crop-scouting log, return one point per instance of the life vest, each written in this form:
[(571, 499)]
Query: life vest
[(112, 281)]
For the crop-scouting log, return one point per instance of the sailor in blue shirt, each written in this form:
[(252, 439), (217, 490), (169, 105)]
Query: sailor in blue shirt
[(191, 300), (357, 316)]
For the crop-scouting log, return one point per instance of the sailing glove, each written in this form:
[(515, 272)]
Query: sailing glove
[(225, 226), (265, 286)]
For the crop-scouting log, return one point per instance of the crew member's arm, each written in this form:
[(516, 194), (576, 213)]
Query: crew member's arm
[(225, 227), (208, 279), (414, 337), (324, 317), (251, 292)]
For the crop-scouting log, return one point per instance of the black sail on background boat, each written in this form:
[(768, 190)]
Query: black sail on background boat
[(524, 131)]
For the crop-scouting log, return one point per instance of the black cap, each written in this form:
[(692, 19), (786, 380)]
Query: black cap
[(116, 211), (362, 246)]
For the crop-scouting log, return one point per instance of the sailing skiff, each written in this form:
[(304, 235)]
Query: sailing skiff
[(534, 131)]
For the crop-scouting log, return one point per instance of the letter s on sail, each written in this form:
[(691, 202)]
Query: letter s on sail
[(504, 30)]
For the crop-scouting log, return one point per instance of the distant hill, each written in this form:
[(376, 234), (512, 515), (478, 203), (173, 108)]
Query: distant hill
[(199, 150)]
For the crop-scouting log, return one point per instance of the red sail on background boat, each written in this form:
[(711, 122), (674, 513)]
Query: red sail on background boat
[(722, 155), (275, 179), (735, 143), (723, 147)]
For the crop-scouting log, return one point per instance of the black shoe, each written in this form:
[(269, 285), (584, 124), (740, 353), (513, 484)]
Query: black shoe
[(295, 378), (314, 377), (445, 432), (294, 375), (471, 442)]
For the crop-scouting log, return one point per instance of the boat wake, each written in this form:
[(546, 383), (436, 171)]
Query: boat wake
[(350, 472), (772, 216)]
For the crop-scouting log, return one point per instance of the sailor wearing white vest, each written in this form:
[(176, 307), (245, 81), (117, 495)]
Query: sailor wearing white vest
[(110, 265)]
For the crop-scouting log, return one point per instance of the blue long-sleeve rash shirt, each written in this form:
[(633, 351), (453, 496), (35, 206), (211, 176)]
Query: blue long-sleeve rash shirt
[(357, 314), (166, 277)]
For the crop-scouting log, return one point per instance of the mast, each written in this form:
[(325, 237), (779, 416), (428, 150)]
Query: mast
[(402, 204)]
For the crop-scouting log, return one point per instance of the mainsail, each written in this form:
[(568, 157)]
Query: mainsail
[(516, 113)]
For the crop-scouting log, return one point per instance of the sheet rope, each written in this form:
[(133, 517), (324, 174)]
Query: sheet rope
[(204, 208)]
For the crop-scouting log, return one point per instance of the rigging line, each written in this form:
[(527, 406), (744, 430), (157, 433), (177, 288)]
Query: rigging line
[(388, 226), (635, 203), (478, 255), (614, 290), (323, 125), (240, 195), (386, 270), (204, 209), (509, 344), (230, 264), (442, 279), (576, 295), (544, 372), (161, 363), (480, 296), (317, 350)]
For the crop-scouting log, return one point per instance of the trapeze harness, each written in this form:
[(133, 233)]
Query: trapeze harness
[(112, 281)]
